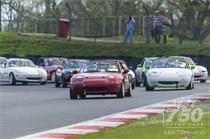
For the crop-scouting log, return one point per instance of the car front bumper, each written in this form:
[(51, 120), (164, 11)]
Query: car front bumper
[(96, 88), (30, 78), (169, 83)]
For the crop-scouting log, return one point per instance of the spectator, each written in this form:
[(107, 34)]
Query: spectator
[(130, 25), (158, 21)]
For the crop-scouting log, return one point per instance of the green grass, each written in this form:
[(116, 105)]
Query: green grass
[(151, 128), (140, 39), (43, 45)]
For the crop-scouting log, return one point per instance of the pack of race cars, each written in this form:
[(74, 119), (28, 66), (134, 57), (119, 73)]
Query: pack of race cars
[(101, 77)]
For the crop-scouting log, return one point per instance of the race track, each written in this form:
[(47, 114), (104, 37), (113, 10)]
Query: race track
[(33, 108)]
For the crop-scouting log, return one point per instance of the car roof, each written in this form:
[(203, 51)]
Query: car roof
[(77, 60), (104, 61), (184, 57), (54, 58), (111, 60), (3, 58), (19, 59)]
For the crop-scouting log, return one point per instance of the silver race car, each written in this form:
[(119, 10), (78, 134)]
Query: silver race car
[(200, 72)]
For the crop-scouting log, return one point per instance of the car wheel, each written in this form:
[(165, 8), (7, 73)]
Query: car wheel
[(202, 81), (82, 96), (138, 83), (12, 80), (121, 94), (133, 84), (129, 93), (190, 86), (53, 76), (57, 84), (73, 95), (64, 84), (143, 80), (147, 87), (24, 83), (42, 83)]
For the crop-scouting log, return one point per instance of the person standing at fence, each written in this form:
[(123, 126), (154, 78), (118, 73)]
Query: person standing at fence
[(158, 21), (129, 30)]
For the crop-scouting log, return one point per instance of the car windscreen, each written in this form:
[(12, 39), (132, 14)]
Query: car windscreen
[(82, 62), (169, 63), (100, 67), (51, 62), (21, 63), (71, 65), (149, 62), (191, 62)]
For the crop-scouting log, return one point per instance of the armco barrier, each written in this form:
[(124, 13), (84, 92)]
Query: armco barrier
[(131, 61)]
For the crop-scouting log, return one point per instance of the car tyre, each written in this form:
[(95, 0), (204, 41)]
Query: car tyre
[(24, 83), (121, 94), (143, 80), (147, 87), (190, 86), (202, 81), (129, 93), (82, 96), (133, 84), (138, 84), (73, 95), (12, 80), (57, 84), (43, 83), (64, 84)]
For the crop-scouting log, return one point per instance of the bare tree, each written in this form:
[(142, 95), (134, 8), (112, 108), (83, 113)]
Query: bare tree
[(193, 21)]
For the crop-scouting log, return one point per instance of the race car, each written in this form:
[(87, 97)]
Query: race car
[(131, 74), (100, 78), (200, 72), (22, 70), (142, 69), (169, 73), (64, 74), (51, 65)]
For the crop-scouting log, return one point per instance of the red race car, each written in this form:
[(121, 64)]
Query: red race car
[(51, 65), (100, 78)]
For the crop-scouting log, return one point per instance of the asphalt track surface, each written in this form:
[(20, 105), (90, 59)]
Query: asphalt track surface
[(27, 109)]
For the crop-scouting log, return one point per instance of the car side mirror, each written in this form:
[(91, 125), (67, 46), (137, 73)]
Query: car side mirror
[(126, 71), (74, 72), (192, 67)]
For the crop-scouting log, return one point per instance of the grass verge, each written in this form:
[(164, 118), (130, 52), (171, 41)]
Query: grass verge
[(23, 45), (152, 127)]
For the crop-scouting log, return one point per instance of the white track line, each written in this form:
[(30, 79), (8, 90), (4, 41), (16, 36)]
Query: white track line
[(99, 121)]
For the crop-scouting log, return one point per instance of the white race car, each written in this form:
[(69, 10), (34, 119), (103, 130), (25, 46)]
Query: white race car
[(169, 73), (200, 72), (21, 70)]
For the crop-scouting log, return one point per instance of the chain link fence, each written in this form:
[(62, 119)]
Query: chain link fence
[(81, 27)]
